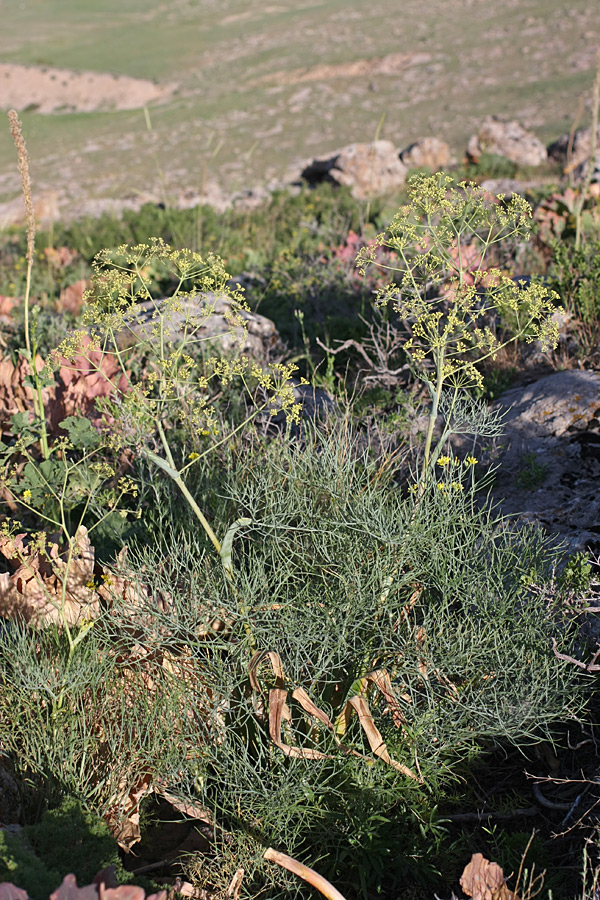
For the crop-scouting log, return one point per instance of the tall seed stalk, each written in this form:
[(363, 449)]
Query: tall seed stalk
[(23, 165), (585, 187)]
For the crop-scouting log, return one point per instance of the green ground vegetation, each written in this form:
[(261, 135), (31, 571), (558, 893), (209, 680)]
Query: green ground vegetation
[(315, 634)]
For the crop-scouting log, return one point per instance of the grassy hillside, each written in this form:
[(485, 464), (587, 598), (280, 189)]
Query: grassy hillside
[(251, 101)]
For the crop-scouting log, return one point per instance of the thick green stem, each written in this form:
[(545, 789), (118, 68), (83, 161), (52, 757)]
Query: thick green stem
[(433, 414), (38, 401), (198, 512), (173, 472)]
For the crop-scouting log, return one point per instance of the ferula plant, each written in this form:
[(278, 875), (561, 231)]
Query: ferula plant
[(165, 340), (450, 297)]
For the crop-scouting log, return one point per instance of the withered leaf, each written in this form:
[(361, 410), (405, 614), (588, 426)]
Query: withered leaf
[(484, 880), (49, 587)]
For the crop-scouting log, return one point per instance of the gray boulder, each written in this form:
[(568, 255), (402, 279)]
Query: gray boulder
[(549, 456), (367, 169), (576, 162), (428, 153), (507, 139), (258, 337)]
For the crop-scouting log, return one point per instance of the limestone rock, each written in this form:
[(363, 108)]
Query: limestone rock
[(507, 186), (427, 153), (46, 207), (549, 456), (575, 164), (507, 139), (368, 169), (211, 195), (261, 340)]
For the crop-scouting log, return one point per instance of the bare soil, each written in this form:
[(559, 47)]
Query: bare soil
[(48, 90)]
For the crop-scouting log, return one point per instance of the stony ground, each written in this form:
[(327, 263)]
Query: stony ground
[(263, 87)]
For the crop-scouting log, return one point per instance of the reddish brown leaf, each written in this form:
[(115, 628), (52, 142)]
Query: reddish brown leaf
[(60, 257), (71, 297), (14, 395), (7, 304), (90, 375), (10, 892), (484, 880)]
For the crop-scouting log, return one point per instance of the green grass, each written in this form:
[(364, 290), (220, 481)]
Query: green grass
[(336, 567)]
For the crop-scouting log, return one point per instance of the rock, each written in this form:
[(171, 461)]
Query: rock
[(261, 340), (10, 798), (507, 186), (427, 153), (549, 456), (46, 89), (368, 169), (317, 406), (507, 139), (46, 208), (211, 195), (251, 198), (575, 164)]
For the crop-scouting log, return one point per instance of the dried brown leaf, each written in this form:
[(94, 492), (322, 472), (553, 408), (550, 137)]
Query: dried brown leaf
[(90, 375), (187, 807), (71, 297), (15, 396), (185, 889), (49, 587), (309, 875), (484, 880), (123, 815), (276, 665), (381, 679), (376, 742), (7, 304), (278, 710), (235, 885)]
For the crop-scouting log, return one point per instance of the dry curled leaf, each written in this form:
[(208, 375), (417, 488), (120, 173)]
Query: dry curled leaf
[(48, 586), (71, 297), (484, 880), (15, 396), (123, 816), (280, 713), (89, 375)]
